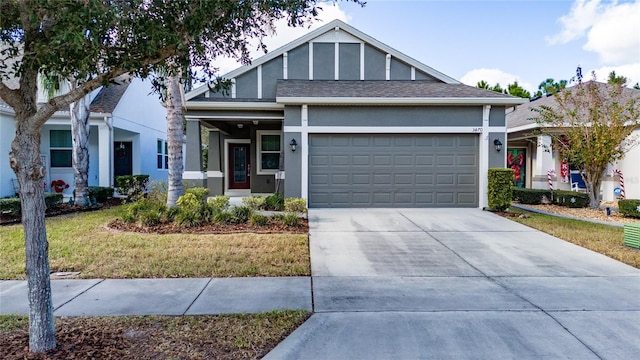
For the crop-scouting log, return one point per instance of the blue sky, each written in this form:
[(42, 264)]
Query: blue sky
[(498, 41)]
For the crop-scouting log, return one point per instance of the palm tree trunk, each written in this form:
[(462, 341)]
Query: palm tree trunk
[(79, 111), (175, 138)]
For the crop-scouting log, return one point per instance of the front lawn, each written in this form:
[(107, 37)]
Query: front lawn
[(81, 242), (604, 239), (248, 336)]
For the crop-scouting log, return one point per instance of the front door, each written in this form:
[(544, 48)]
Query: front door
[(122, 159), (239, 168)]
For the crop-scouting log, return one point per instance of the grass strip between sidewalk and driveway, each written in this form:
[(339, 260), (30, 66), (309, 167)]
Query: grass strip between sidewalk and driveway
[(81, 243), (246, 336), (604, 239)]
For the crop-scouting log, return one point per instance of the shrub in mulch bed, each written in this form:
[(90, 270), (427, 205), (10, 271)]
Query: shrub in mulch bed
[(630, 208), (60, 209), (273, 226)]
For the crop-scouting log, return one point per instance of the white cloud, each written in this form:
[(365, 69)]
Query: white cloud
[(630, 71), (493, 76), (285, 34), (583, 14), (611, 29), (616, 36)]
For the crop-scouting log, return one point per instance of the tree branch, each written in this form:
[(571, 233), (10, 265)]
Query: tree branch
[(10, 96)]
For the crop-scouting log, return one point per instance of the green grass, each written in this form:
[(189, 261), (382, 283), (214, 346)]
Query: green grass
[(81, 242), (243, 336), (604, 239)]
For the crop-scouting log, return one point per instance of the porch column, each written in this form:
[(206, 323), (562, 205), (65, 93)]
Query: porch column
[(544, 162), (215, 175), (193, 173), (105, 160)]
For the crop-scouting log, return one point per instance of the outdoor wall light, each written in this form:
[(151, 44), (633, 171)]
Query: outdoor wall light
[(293, 144), (497, 144)]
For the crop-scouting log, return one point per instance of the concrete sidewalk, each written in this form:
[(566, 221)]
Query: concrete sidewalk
[(102, 297)]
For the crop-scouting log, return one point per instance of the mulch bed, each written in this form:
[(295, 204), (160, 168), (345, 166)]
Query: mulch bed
[(169, 228)]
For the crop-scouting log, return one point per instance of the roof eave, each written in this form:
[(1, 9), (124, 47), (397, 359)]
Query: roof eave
[(397, 101), (226, 105)]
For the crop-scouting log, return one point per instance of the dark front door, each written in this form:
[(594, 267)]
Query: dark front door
[(122, 159), (239, 169)]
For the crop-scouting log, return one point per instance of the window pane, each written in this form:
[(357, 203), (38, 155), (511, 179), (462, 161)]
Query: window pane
[(159, 162), (61, 158), (270, 161), (166, 162), (166, 148), (159, 147), (270, 143), (60, 138)]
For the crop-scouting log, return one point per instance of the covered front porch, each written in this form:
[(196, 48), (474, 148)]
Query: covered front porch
[(244, 151)]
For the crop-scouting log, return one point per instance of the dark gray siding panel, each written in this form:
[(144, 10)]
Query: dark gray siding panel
[(497, 159), (324, 61), (292, 115), (349, 61), (400, 70), (247, 85), (260, 183), (298, 63), (393, 170), (374, 63), (497, 116), (193, 161), (271, 72), (395, 116), (292, 167), (425, 77)]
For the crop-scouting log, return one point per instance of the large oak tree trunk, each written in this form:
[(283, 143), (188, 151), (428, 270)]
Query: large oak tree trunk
[(25, 162), (175, 138), (80, 154)]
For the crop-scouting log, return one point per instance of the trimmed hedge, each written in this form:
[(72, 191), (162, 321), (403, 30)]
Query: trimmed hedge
[(629, 207), (570, 199), (12, 206), (566, 198), (500, 181), (531, 196), (100, 193)]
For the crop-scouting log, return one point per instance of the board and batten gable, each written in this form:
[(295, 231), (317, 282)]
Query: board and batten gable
[(347, 58)]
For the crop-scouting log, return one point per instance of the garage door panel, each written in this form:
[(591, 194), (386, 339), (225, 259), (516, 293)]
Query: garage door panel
[(360, 160), (393, 170), (424, 160)]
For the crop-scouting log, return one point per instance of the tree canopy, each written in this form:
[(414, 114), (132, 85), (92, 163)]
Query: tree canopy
[(512, 89)]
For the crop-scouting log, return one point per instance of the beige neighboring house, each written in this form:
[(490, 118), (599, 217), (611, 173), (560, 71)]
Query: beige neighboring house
[(526, 154)]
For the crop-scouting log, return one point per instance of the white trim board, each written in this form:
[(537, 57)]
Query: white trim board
[(387, 129), (290, 100)]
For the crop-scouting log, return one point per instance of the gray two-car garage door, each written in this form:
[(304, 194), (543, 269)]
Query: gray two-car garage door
[(393, 170)]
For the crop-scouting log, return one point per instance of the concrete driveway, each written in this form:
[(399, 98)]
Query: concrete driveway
[(459, 284)]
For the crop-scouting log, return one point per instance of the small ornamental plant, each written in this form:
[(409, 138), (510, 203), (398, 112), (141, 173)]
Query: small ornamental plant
[(59, 185)]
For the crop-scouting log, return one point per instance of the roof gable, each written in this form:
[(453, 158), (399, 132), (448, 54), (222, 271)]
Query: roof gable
[(334, 31)]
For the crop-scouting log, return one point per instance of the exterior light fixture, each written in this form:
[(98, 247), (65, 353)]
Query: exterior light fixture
[(121, 147), (293, 144), (240, 125), (497, 144)]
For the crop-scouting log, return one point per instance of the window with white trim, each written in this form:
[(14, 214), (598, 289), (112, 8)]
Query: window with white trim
[(268, 149), (60, 148), (163, 155)]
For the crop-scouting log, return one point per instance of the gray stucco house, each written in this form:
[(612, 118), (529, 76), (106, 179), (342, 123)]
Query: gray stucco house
[(372, 127)]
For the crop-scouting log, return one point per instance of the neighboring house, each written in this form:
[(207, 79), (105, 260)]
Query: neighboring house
[(371, 126), (128, 136), (527, 154)]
